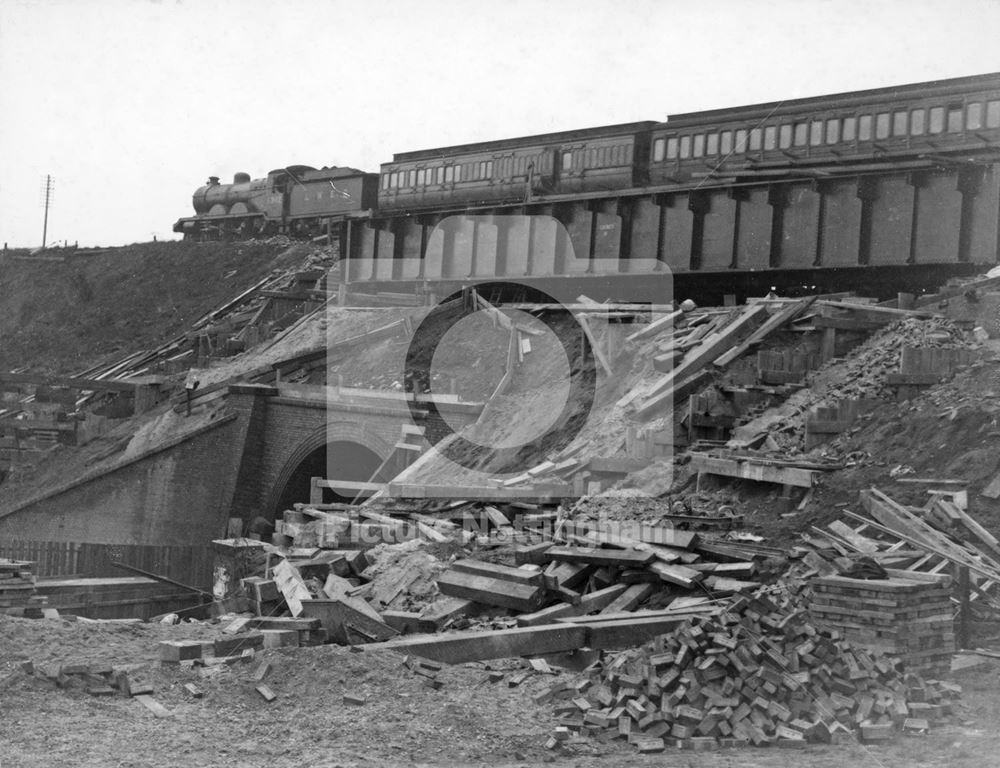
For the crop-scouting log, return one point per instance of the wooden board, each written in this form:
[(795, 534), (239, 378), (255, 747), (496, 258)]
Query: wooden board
[(619, 557), (490, 591), (461, 647), (748, 470)]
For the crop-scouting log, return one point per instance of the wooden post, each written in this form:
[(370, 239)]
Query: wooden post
[(829, 347), (963, 616)]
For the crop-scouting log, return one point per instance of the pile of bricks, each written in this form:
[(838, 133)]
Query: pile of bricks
[(902, 617), (17, 589), (758, 673)]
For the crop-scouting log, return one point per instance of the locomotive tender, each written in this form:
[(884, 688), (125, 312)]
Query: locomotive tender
[(890, 176), (297, 200)]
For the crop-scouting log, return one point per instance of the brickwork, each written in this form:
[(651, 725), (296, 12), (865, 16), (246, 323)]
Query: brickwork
[(183, 493)]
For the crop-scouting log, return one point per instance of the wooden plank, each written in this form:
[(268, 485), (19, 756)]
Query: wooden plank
[(960, 290), (859, 542), (749, 470), (92, 385), (673, 393), (662, 535), (630, 598), (346, 624), (291, 586), (496, 571), (443, 611), (595, 345), (773, 323), (698, 357), (866, 310), (984, 536), (462, 647), (490, 591), (680, 575), (153, 705), (664, 323), (618, 557)]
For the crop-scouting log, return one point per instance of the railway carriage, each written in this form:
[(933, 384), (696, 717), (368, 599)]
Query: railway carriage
[(512, 170), (830, 134)]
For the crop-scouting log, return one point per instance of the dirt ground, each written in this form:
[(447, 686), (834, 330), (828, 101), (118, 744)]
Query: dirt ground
[(469, 721)]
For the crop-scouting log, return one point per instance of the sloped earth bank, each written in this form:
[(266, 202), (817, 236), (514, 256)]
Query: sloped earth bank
[(469, 721), (62, 317)]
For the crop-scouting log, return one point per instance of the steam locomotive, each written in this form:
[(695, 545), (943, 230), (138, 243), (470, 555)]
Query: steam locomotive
[(918, 126)]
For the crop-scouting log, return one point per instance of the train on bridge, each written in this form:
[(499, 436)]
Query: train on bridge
[(896, 176)]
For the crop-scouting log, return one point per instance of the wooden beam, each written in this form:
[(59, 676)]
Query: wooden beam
[(749, 470), (490, 591), (618, 557), (92, 385), (461, 647)]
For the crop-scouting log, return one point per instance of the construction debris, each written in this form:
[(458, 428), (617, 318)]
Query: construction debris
[(758, 672)]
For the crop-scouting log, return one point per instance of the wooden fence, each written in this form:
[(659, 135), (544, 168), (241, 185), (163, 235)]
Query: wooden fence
[(188, 565)]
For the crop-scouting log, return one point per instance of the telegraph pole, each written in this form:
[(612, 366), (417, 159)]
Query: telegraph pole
[(48, 187)]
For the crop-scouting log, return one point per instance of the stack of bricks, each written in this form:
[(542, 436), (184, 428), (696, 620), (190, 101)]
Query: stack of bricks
[(17, 589), (758, 673), (897, 616)]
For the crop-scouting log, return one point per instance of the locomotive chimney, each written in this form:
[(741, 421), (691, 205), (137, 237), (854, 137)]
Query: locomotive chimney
[(241, 178), (213, 180)]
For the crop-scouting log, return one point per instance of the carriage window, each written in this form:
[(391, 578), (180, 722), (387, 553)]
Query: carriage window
[(449, 174), (849, 126), (726, 142), (699, 145), (712, 147), (816, 133), (685, 146), (917, 122), (993, 114), (882, 125), (385, 180), (954, 119), (756, 137), (785, 136), (865, 128), (421, 177), (800, 134), (974, 117), (671, 148), (659, 147), (936, 120), (567, 160), (770, 137), (899, 123), (440, 175), (740, 144), (832, 131), (411, 179)]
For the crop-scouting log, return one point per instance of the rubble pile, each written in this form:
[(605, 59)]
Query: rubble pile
[(760, 672)]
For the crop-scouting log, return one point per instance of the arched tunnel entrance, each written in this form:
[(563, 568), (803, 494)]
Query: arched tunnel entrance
[(339, 459)]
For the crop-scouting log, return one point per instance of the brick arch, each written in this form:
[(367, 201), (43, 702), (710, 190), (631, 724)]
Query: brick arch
[(327, 433)]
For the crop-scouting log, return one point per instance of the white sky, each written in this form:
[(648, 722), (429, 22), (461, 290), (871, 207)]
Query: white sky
[(132, 104)]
